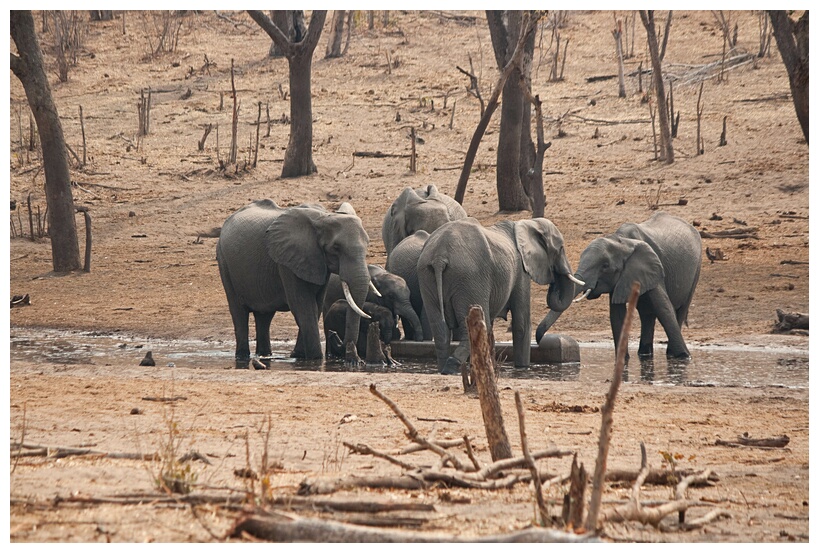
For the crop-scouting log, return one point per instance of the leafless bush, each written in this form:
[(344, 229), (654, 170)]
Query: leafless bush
[(161, 30), (70, 29)]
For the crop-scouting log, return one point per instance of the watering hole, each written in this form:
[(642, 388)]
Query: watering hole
[(720, 366)]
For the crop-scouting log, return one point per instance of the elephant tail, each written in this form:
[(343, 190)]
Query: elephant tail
[(438, 269), (682, 315)]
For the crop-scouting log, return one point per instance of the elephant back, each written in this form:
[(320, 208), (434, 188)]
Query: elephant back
[(422, 208)]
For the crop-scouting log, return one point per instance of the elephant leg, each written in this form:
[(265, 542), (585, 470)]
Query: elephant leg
[(304, 300), (263, 321), (519, 306), (667, 316), (241, 318), (647, 323), (427, 329), (617, 314)]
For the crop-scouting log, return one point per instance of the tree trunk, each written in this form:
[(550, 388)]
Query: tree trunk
[(666, 146), (515, 148), (28, 67), (298, 158), (336, 34), (792, 41)]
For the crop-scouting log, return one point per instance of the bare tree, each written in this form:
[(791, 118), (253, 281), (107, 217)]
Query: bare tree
[(792, 41), (666, 147), (27, 66), (516, 151), (298, 158)]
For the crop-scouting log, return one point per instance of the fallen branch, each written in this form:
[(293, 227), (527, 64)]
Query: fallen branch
[(524, 444), (749, 232), (378, 154), (790, 321), (333, 505), (57, 452), (277, 527), (767, 443)]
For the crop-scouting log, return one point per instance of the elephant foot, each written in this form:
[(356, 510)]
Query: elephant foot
[(351, 358), (645, 355), (680, 356), (452, 366), (242, 362)]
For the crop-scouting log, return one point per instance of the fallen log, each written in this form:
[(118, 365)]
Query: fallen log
[(790, 321), (280, 528), (746, 441)]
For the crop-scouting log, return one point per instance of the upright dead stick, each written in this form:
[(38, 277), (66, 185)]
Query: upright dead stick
[(482, 364), (608, 413), (524, 444)]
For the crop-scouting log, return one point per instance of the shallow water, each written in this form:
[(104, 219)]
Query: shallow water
[(710, 366)]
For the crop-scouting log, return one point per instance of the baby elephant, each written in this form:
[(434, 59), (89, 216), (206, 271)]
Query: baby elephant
[(335, 320)]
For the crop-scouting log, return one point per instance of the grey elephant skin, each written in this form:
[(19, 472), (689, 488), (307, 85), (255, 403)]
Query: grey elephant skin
[(279, 259), (403, 261), (464, 264), (395, 296), (335, 327), (419, 209), (663, 254)]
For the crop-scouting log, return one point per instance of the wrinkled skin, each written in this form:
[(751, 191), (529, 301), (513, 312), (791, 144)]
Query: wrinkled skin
[(280, 259), (403, 261), (335, 323), (663, 254), (420, 209), (395, 296), (464, 264)]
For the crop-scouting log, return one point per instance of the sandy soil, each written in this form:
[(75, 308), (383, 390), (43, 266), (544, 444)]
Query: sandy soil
[(154, 274)]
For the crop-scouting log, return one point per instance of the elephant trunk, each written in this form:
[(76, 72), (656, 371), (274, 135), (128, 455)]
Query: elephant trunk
[(355, 280), (561, 294), (408, 315)]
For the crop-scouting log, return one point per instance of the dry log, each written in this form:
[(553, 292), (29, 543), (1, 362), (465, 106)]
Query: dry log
[(277, 527), (745, 441), (789, 321), (322, 486), (378, 154), (374, 355), (56, 452), (334, 505), (737, 233), (483, 367), (656, 477), (446, 444)]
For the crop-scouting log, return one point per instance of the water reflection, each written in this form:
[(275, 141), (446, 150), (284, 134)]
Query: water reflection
[(709, 366)]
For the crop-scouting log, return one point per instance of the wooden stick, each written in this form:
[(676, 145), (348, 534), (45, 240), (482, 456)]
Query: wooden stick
[(607, 412), (524, 444), (412, 432), (483, 367), (82, 128), (87, 218), (364, 449)]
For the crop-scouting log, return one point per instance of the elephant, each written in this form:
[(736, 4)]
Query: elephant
[(663, 254), (280, 259), (420, 209), (404, 262), (391, 291), (335, 327), (465, 264)]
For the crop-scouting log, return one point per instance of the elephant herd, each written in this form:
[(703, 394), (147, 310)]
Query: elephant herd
[(440, 262)]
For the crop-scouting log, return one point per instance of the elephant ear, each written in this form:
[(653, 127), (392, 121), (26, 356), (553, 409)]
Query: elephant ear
[(539, 243), (347, 209), (432, 193), (292, 241), (642, 266)]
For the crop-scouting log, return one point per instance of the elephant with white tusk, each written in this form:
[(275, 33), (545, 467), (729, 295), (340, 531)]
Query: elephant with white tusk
[(280, 259), (464, 264), (663, 254)]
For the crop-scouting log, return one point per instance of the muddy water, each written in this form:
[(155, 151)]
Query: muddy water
[(709, 366)]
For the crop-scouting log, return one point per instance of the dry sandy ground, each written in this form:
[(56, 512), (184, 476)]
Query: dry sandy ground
[(154, 275)]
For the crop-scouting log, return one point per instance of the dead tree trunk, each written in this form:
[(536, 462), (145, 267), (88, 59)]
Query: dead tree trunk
[(336, 34), (298, 158), (792, 41), (27, 66), (618, 43), (483, 367), (515, 153), (666, 146)]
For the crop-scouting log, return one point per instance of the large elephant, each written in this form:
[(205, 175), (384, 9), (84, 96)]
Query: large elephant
[(663, 254), (335, 321), (280, 259), (403, 261), (394, 295), (420, 209), (464, 264)]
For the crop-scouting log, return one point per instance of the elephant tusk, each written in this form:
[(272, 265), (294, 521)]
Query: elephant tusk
[(374, 289), (351, 302), (576, 280), (584, 296)]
